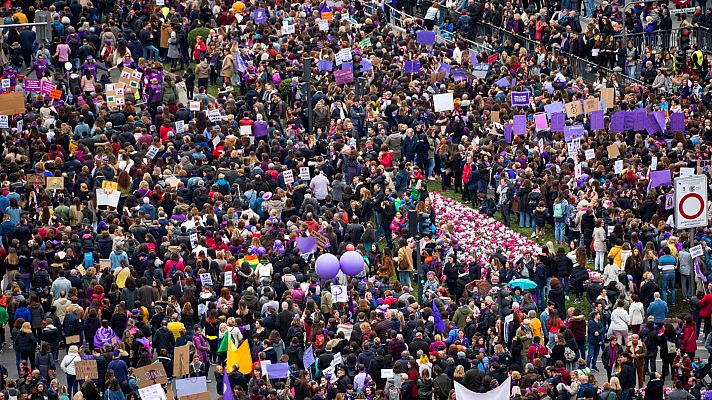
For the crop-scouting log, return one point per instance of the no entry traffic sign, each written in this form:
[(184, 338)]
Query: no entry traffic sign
[(690, 201)]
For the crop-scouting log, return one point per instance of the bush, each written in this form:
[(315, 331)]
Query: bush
[(192, 35)]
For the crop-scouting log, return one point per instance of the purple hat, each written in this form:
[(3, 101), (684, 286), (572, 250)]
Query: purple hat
[(266, 196)]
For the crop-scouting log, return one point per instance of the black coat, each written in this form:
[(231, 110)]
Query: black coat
[(627, 376), (557, 297), (25, 343)]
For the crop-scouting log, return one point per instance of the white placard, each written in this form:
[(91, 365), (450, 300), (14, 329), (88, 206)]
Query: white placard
[(263, 367), (245, 130), (107, 197), (227, 281), (618, 167), (685, 171), (5, 83), (180, 126), (214, 115), (590, 154), (194, 106), (331, 373), (152, 151), (578, 171), (690, 201), (189, 386), (194, 239), (288, 29), (323, 25), (345, 16), (206, 279), (4, 121), (696, 251), (654, 163), (343, 56), (387, 373), (304, 173), (160, 2), (609, 230), (20, 125), (264, 270), (153, 392), (443, 102), (338, 359), (288, 176), (339, 294)]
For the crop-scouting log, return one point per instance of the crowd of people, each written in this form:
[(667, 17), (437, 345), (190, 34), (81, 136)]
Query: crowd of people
[(156, 197)]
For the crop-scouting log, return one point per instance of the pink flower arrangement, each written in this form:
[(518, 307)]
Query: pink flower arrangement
[(478, 232)]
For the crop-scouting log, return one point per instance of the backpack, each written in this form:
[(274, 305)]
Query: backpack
[(569, 354), (393, 393), (571, 211), (558, 210), (276, 78)]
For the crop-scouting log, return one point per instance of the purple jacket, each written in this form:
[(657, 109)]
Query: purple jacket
[(201, 347)]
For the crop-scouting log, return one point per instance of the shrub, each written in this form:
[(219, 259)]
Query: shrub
[(193, 35)]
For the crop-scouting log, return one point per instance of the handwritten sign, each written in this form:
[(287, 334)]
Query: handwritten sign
[(573, 109), (339, 293), (55, 182), (304, 173), (181, 359), (151, 375), (86, 368)]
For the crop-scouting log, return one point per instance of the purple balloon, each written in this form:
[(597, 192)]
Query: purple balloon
[(352, 263), (327, 266), (261, 251)]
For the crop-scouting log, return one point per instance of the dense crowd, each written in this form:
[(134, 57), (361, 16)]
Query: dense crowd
[(167, 190)]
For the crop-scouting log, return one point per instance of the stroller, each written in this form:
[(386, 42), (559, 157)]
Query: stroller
[(702, 375)]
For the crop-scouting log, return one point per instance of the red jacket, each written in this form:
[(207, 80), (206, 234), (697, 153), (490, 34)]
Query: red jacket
[(689, 339), (706, 306)]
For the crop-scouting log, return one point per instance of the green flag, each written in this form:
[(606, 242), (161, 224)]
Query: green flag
[(224, 343), (365, 43)]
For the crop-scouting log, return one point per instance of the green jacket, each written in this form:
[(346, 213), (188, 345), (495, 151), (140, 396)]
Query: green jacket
[(3, 316)]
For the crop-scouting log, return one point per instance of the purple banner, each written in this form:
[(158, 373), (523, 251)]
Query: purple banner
[(425, 37), (597, 120), (32, 85), (660, 178), (259, 16), (660, 119), (520, 124), (677, 122), (445, 67), (573, 132), (520, 99), (343, 76), (617, 122), (502, 82), (651, 124), (558, 122), (628, 121), (639, 119), (325, 65)]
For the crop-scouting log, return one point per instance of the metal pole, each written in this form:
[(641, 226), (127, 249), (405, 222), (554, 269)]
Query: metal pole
[(307, 77)]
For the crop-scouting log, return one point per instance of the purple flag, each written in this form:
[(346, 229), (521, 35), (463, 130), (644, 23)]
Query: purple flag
[(597, 120), (347, 65), (412, 67), (552, 108), (473, 59), (277, 370), (504, 82), (558, 122), (618, 121), (439, 323), (343, 76), (445, 67), (660, 119), (639, 119), (660, 178), (425, 37), (520, 99), (651, 124), (308, 358), (227, 388), (325, 65), (573, 132), (366, 65), (508, 133), (520, 124), (677, 122), (240, 64), (306, 245)]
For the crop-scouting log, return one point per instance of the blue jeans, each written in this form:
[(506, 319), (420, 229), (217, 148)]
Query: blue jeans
[(668, 283), (540, 297), (152, 49), (590, 5), (525, 219), (564, 280), (560, 231), (431, 167), (592, 355), (404, 277), (71, 384)]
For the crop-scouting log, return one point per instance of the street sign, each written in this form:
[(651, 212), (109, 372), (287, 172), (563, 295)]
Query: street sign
[(690, 201), (688, 10)]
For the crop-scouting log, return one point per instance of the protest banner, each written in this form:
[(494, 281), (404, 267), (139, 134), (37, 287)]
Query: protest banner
[(151, 375), (86, 368)]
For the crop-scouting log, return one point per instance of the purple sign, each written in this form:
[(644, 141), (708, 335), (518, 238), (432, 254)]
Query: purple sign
[(502, 82), (628, 121), (459, 74), (651, 124), (573, 132), (259, 16), (412, 67), (558, 122), (343, 76), (639, 119), (347, 65), (552, 108), (597, 120), (325, 65), (660, 119), (520, 124), (47, 87), (306, 245), (425, 37), (366, 65), (520, 99), (32, 85), (278, 370), (677, 122), (508, 133), (445, 67), (660, 178)]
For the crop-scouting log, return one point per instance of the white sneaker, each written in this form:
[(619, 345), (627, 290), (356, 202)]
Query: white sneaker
[(533, 234), (567, 298)]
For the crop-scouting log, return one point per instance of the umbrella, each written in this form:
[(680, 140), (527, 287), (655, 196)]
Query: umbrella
[(524, 284)]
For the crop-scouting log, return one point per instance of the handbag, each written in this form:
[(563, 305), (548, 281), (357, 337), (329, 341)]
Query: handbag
[(403, 265)]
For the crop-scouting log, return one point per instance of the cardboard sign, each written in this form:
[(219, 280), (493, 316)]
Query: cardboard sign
[(573, 109), (191, 386), (12, 103), (590, 105), (613, 151), (152, 392), (104, 263), (109, 185), (494, 116), (130, 77), (181, 359), (36, 180), (437, 76), (86, 368), (74, 339), (608, 96), (321, 240), (197, 396), (151, 375), (55, 182)]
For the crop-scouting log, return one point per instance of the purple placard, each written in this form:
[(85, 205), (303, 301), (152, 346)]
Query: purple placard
[(502, 82), (459, 74), (552, 108), (573, 132), (445, 67), (660, 178), (325, 65), (343, 76), (47, 87), (32, 85), (660, 119), (628, 120), (473, 59), (412, 67), (677, 122), (347, 65), (597, 120), (520, 124), (259, 16), (306, 245), (508, 133), (651, 124), (639, 119), (425, 37), (366, 65), (520, 99), (558, 122), (278, 370), (618, 121)]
